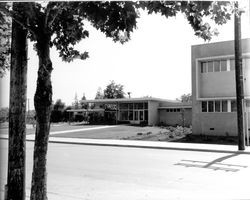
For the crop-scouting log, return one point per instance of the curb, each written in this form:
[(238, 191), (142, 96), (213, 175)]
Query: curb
[(146, 145)]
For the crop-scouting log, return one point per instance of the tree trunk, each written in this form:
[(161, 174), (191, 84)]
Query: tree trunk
[(17, 110), (42, 101)]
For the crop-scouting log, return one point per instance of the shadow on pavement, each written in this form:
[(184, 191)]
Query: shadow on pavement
[(215, 164)]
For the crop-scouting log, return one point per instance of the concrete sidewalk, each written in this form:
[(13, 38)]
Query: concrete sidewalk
[(144, 144)]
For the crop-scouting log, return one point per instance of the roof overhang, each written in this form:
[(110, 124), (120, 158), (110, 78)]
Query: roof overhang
[(127, 100)]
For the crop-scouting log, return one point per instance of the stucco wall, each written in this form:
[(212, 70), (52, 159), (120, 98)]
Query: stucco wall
[(175, 118), (215, 84), (153, 117)]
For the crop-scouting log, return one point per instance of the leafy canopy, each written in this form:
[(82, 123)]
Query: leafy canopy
[(63, 22), (5, 35), (114, 91)]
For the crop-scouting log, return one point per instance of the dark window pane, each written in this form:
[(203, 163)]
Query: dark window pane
[(130, 115), (146, 115), (203, 67), (217, 106), (130, 106), (135, 115), (233, 106), (141, 115), (224, 106), (210, 106), (232, 64), (223, 65), (123, 106), (145, 105), (204, 106), (124, 115), (216, 66), (210, 66)]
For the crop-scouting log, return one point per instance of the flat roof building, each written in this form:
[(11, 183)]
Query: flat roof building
[(213, 88), (213, 107), (147, 111)]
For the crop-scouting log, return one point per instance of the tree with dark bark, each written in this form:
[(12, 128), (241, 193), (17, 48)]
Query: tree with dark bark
[(15, 187), (61, 24)]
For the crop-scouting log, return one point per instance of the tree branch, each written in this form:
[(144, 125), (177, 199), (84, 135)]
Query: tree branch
[(56, 14), (48, 9), (15, 17)]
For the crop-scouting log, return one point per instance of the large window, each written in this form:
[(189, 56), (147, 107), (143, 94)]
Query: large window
[(214, 66), (215, 106), (133, 111)]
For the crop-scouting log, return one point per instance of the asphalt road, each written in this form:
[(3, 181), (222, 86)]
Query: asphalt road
[(117, 173)]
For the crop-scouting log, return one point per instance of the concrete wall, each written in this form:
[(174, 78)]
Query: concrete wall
[(215, 84), (153, 116), (175, 118)]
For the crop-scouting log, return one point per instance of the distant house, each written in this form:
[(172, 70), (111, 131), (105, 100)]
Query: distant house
[(213, 88), (147, 111)]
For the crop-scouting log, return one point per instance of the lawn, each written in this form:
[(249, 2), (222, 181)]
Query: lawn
[(128, 132)]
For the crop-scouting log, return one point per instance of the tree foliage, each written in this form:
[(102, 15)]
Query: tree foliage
[(99, 94), (185, 98), (57, 113), (5, 35), (196, 13), (114, 91), (83, 105)]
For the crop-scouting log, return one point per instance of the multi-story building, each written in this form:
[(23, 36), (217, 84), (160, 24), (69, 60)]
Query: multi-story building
[(213, 88)]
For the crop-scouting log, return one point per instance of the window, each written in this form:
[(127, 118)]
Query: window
[(233, 106), (216, 66), (124, 115), (210, 66), (214, 106), (217, 106), (210, 106), (204, 106), (232, 64), (138, 105), (223, 65), (203, 67), (224, 106), (173, 110), (130, 117), (141, 114), (130, 106), (146, 115), (123, 106)]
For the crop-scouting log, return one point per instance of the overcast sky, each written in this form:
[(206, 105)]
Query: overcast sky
[(155, 62)]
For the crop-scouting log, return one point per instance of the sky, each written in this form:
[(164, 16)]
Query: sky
[(155, 62)]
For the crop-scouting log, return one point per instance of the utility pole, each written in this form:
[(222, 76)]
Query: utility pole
[(239, 76), (15, 188)]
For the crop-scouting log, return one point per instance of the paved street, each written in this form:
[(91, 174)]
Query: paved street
[(102, 172)]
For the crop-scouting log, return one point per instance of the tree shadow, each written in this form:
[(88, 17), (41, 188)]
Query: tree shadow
[(215, 164)]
